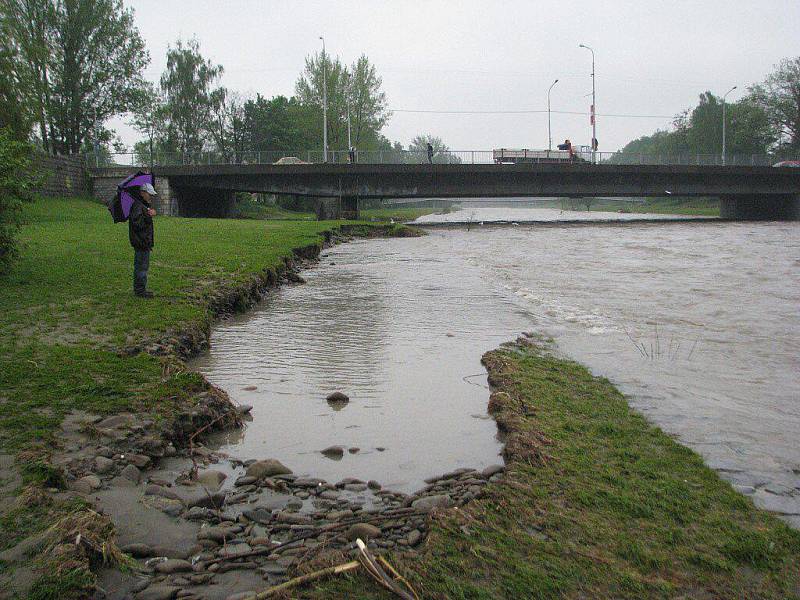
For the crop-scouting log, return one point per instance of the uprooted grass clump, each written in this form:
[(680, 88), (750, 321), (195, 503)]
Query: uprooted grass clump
[(596, 503)]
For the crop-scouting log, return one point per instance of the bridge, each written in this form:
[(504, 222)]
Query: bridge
[(745, 192)]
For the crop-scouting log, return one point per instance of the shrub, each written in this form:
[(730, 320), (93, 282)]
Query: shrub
[(17, 180)]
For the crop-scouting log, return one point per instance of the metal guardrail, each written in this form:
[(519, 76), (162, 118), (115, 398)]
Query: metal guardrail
[(413, 157)]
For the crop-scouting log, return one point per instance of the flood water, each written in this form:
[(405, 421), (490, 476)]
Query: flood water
[(697, 322)]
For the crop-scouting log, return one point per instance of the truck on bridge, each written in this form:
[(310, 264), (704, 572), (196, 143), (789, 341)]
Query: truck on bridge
[(511, 156)]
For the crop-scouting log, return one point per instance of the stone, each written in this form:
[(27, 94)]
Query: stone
[(244, 409), (103, 464), (211, 479), (158, 592), (113, 422), (174, 565), (138, 550), (356, 487), (231, 550), (241, 595), (139, 460), (414, 536), (217, 534), (333, 452), (198, 513), (492, 470), (335, 515), (158, 490), (373, 485), (354, 450), (245, 480), (338, 398), (131, 473), (329, 495), (204, 498), (81, 486), (365, 531), (267, 468), (307, 482), (250, 388), (292, 518), (428, 503)]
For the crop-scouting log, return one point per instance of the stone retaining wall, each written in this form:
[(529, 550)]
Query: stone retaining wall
[(63, 176)]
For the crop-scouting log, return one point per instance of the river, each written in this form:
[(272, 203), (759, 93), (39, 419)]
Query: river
[(697, 322)]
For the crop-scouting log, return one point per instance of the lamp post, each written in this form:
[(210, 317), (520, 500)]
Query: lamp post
[(324, 103), (594, 105), (549, 134), (724, 121)]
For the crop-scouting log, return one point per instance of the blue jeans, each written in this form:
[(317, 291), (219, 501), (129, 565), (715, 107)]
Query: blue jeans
[(141, 264)]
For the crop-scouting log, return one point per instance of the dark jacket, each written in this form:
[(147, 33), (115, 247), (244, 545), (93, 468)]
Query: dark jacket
[(140, 226)]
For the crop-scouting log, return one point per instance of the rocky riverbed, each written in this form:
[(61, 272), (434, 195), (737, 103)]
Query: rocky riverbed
[(195, 532)]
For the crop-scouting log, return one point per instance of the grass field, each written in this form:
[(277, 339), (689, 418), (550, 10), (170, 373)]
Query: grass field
[(707, 207), (597, 504)]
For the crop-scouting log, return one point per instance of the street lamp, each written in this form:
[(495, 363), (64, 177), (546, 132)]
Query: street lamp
[(324, 103), (724, 122), (549, 134), (594, 105)]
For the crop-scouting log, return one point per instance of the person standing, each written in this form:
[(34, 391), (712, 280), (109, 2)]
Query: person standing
[(140, 232), (430, 154)]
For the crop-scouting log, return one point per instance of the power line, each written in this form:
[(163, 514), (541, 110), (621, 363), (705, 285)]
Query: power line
[(523, 112)]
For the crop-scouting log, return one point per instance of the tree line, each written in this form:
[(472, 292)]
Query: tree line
[(765, 121), (68, 66)]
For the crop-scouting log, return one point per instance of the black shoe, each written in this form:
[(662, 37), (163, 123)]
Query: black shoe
[(145, 294)]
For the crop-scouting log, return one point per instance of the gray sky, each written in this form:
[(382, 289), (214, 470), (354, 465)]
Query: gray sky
[(653, 58)]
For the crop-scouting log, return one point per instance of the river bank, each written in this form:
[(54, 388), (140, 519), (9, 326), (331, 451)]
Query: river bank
[(75, 342), (596, 503), (747, 545)]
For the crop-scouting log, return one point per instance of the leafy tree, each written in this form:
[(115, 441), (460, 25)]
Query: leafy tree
[(14, 113), (148, 116), (281, 124), (188, 97), (17, 179), (78, 63), (441, 153), (779, 97), (227, 124), (357, 88)]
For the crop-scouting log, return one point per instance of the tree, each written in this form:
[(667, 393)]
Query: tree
[(281, 124), (779, 97), (227, 124), (188, 97), (357, 89), (17, 179), (441, 153), (79, 62), (14, 112), (148, 116)]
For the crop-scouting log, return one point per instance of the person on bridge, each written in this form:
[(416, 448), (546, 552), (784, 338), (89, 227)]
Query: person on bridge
[(140, 233), (430, 154)]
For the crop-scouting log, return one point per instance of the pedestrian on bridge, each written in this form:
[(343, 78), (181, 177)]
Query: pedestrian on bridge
[(430, 154), (140, 233)]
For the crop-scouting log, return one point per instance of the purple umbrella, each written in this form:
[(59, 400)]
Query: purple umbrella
[(120, 205)]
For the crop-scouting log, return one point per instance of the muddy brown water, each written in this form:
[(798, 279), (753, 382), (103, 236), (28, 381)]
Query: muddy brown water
[(698, 324)]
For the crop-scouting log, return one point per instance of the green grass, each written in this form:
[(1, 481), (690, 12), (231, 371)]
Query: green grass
[(67, 308), (707, 207), (598, 504), (248, 209)]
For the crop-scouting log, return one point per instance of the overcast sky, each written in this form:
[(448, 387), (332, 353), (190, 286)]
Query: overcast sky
[(653, 58)]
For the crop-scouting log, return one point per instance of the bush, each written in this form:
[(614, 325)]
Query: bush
[(17, 180)]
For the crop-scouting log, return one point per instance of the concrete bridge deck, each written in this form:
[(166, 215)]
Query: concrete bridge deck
[(745, 192)]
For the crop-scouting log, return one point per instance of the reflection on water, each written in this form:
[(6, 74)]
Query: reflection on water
[(697, 322)]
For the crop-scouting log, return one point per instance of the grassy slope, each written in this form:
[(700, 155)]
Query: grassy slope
[(68, 306), (598, 504), (707, 207)]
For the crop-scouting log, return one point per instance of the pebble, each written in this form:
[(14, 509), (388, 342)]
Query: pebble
[(245, 480), (267, 468), (334, 452), (131, 473), (138, 550), (356, 487), (217, 534), (292, 518), (174, 565), (103, 464), (365, 531), (139, 460), (158, 592), (414, 536), (373, 485), (338, 398), (354, 450), (492, 470), (427, 503), (211, 479)]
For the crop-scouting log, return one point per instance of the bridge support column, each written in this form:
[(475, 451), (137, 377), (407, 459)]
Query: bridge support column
[(345, 207), (204, 202), (760, 207)]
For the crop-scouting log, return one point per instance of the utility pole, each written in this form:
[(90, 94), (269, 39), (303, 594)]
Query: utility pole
[(724, 122), (324, 102), (594, 106), (549, 134)]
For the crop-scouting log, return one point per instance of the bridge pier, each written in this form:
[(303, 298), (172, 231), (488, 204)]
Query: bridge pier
[(204, 202), (760, 207), (344, 207)]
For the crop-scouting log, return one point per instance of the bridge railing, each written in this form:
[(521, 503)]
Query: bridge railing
[(139, 160)]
